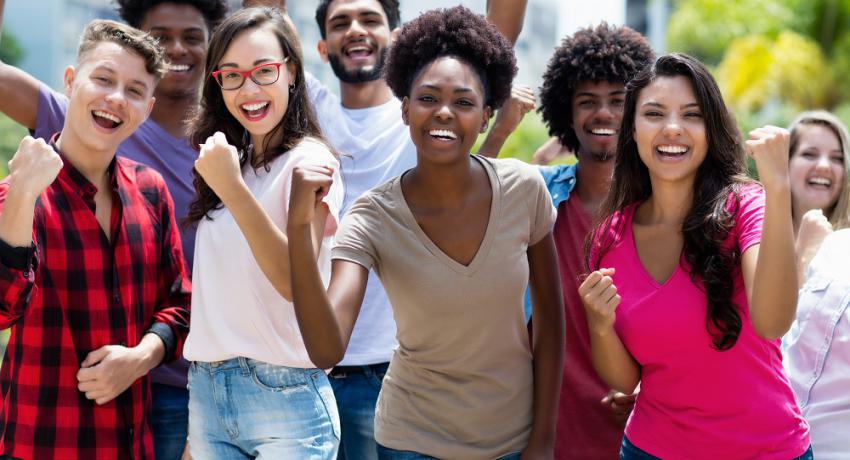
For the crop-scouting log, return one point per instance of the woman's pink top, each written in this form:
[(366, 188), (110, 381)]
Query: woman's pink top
[(696, 402)]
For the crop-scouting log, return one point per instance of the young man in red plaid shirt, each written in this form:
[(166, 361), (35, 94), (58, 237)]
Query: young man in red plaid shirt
[(92, 278)]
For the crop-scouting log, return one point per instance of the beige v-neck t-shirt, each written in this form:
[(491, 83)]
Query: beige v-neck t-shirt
[(460, 383)]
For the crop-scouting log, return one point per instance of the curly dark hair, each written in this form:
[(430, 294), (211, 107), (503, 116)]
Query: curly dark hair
[(456, 32), (719, 180), (212, 115), (390, 9), (134, 11), (604, 53)]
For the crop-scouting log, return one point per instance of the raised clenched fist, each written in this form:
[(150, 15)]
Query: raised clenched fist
[(769, 146), (34, 166)]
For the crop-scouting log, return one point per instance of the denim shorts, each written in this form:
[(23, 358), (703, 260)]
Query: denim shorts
[(244, 409)]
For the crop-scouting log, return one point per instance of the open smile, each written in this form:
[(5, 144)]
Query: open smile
[(255, 111), (106, 120)]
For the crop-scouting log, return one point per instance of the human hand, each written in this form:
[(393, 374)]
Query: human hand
[(620, 405), (108, 371), (186, 455), (514, 109), (549, 152), (769, 146), (218, 165), (310, 184), (599, 296), (814, 228), (34, 167)]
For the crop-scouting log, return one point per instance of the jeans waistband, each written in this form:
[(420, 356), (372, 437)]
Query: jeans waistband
[(245, 364), (342, 371)]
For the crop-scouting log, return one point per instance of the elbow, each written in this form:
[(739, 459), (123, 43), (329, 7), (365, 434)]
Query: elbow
[(773, 331), (325, 360)]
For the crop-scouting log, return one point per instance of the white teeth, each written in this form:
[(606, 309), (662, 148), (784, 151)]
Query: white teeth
[(820, 181), (357, 48), (603, 131), (179, 67), (442, 133), (108, 116), (255, 106), (672, 149)]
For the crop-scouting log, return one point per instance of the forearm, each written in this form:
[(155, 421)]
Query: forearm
[(317, 321), (773, 302), (613, 362), (508, 16), (548, 373), (151, 352), (16, 221), (493, 143), (268, 243)]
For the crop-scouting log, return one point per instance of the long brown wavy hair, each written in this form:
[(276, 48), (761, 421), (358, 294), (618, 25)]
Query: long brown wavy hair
[(719, 178), (212, 115)]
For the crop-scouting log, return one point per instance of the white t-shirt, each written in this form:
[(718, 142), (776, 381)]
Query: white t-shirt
[(235, 309), (374, 146)]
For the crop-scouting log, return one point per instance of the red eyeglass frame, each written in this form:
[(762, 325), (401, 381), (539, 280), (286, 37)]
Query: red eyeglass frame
[(246, 74)]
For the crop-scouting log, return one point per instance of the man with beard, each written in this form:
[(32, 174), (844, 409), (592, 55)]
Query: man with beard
[(182, 28), (582, 102), (364, 124)]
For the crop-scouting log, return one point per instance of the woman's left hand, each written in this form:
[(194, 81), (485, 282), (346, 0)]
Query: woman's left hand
[(769, 146), (218, 165)]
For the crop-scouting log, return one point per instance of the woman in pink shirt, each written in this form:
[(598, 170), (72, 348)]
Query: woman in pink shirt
[(694, 277)]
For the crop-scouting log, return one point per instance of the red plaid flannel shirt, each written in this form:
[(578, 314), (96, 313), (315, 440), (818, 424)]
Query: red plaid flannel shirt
[(79, 292)]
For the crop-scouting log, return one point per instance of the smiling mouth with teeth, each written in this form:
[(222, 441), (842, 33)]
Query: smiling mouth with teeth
[(603, 132), (177, 68), (106, 119), (671, 150), (254, 110), (820, 181), (442, 134)]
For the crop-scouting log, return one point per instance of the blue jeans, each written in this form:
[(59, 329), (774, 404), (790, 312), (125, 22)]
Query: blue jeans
[(169, 420), (356, 390), (385, 453), (243, 409), (629, 451)]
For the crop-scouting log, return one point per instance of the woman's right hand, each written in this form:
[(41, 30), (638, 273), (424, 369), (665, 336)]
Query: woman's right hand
[(599, 296), (814, 228), (310, 184)]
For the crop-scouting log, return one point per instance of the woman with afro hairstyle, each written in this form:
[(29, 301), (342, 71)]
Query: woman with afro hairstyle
[(454, 241), (694, 279)]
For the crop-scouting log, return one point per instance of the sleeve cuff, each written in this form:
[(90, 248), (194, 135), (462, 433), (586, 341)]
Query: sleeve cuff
[(17, 258), (164, 332)]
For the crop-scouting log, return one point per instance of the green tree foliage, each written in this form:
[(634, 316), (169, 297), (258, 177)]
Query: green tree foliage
[(705, 28), (524, 141), (10, 50), (11, 134)]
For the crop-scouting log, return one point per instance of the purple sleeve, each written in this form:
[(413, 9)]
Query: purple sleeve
[(749, 218), (52, 107)]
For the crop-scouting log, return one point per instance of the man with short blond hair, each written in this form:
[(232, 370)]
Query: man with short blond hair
[(92, 277)]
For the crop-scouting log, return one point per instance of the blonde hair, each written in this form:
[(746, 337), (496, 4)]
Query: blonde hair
[(129, 38)]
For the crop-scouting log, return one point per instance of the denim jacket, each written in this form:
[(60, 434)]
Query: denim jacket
[(560, 181), (817, 348)]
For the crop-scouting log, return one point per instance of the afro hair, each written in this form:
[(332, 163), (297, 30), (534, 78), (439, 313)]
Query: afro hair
[(456, 32), (134, 11), (603, 53)]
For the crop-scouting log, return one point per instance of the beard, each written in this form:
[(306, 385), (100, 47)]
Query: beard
[(602, 156), (359, 75)]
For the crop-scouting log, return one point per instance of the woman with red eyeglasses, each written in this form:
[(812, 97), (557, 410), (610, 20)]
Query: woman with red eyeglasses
[(253, 391)]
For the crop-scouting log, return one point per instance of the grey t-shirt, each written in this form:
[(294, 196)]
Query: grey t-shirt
[(460, 384)]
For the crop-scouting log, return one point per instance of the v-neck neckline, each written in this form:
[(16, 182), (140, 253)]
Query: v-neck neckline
[(486, 243), (636, 255)]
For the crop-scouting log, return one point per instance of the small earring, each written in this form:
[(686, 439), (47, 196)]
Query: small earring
[(292, 88)]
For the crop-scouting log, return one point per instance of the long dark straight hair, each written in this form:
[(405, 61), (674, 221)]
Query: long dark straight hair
[(718, 179), (212, 115)]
